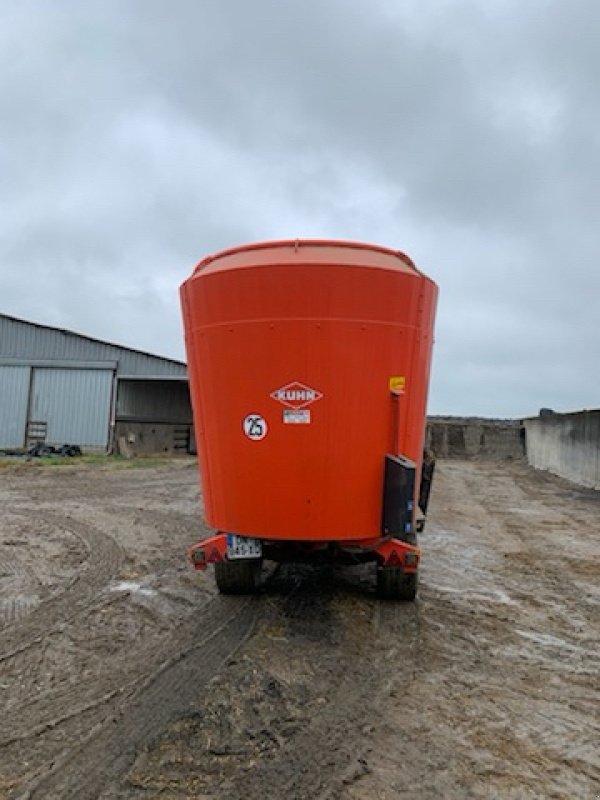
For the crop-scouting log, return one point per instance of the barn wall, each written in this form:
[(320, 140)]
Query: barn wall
[(60, 387)]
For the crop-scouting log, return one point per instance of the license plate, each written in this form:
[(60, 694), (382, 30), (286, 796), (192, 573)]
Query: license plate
[(243, 547)]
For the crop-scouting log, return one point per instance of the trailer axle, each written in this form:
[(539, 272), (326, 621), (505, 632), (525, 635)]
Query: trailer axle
[(389, 552)]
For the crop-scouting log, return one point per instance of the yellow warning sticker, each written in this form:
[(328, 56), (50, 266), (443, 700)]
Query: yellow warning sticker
[(397, 382)]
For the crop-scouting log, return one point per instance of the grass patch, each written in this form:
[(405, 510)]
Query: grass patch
[(101, 461)]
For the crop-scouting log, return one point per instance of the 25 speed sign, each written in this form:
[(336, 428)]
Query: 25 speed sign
[(255, 427)]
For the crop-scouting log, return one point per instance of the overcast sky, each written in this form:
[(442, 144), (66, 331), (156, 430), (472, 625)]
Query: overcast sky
[(137, 136)]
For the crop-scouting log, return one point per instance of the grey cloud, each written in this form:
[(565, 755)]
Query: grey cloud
[(137, 137)]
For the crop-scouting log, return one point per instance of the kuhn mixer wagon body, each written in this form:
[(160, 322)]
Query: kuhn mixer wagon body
[(309, 367)]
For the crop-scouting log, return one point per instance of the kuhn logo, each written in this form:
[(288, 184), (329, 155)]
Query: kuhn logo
[(296, 395)]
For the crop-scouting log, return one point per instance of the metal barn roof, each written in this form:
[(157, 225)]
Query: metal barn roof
[(25, 342)]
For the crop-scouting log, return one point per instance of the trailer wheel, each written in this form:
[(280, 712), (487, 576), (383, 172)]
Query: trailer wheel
[(237, 577), (394, 584)]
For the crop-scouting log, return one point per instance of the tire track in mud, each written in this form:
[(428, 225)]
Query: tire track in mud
[(330, 750), (14, 567), (105, 557), (118, 489), (16, 606), (291, 716), (549, 573), (38, 713), (529, 621), (83, 772), (333, 752)]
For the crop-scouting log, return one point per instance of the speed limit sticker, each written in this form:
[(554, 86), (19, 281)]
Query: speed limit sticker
[(255, 427)]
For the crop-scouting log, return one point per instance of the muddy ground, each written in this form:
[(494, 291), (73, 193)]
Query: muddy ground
[(124, 675)]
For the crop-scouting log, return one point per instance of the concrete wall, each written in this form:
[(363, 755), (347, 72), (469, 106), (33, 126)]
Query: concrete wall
[(567, 445), (472, 437), (147, 438)]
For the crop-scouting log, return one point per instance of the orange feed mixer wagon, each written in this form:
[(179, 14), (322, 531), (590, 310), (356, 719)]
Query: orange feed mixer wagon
[(309, 368)]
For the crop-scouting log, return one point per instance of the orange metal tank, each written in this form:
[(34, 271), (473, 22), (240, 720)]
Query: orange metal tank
[(309, 362)]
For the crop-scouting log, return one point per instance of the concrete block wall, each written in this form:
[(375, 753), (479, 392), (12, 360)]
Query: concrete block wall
[(148, 438), (567, 445), (469, 437)]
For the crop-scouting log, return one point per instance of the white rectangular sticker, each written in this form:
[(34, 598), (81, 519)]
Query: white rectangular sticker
[(296, 416)]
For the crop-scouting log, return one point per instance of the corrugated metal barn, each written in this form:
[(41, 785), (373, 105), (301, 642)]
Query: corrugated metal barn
[(60, 387)]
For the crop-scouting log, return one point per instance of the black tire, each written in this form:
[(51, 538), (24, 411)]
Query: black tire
[(237, 577), (394, 584)]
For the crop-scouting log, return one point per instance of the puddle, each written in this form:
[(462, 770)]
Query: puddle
[(489, 595), (135, 587), (546, 640)]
